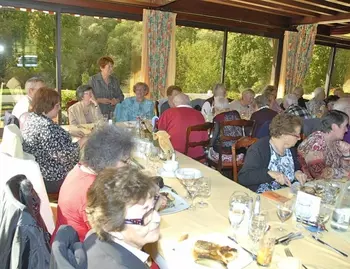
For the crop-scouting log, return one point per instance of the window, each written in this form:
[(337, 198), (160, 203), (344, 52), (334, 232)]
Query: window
[(27, 49), (198, 59), (248, 62), (341, 71), (316, 75)]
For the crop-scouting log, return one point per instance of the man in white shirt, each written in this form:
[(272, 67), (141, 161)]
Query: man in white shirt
[(219, 90), (244, 106), (31, 86)]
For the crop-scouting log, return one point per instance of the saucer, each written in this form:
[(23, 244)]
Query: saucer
[(163, 173)]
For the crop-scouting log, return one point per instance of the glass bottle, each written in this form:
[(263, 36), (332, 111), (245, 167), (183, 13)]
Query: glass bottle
[(341, 213)]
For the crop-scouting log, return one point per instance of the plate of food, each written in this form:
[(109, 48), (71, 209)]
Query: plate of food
[(179, 173), (174, 202), (327, 191), (213, 251)]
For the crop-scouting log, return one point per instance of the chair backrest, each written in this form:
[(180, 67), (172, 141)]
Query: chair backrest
[(70, 103), (237, 123), (67, 251), (197, 103), (156, 108), (243, 142), (206, 127), (12, 141)]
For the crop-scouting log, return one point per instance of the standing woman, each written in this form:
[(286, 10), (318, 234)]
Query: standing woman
[(50, 144), (106, 87)]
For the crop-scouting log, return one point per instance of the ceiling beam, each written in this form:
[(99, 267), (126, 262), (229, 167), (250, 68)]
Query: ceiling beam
[(340, 30), (213, 10), (326, 4), (303, 6), (263, 7), (341, 2), (323, 19)]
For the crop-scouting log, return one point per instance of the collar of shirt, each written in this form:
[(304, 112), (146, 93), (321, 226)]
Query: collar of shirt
[(184, 106), (263, 107), (143, 256)]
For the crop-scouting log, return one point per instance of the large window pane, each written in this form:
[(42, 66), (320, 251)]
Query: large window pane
[(198, 59), (316, 75), (27, 48), (85, 39), (248, 62), (341, 71)]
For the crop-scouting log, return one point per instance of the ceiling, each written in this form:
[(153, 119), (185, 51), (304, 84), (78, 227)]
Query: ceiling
[(264, 17)]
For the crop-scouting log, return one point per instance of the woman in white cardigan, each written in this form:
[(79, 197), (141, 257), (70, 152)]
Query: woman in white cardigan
[(86, 110)]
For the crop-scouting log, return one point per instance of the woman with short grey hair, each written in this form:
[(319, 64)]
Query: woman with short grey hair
[(107, 147), (86, 110)]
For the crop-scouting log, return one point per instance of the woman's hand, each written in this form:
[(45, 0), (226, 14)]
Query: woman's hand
[(93, 101), (82, 141), (77, 133), (300, 176), (280, 178)]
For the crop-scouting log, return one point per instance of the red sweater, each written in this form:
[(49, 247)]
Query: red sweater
[(175, 122), (72, 202)]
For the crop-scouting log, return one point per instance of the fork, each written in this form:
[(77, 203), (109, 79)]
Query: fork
[(289, 254)]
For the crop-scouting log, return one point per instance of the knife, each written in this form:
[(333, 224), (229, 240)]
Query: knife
[(328, 245), (249, 252), (283, 238)]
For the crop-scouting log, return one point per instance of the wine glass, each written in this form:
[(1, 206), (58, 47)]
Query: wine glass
[(322, 218), (188, 180), (257, 227), (238, 206), (204, 191), (284, 212)]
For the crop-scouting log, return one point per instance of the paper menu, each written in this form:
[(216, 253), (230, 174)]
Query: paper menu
[(307, 206)]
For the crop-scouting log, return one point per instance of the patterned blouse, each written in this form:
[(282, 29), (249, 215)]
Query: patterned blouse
[(51, 146), (129, 109), (278, 163), (314, 107), (321, 160)]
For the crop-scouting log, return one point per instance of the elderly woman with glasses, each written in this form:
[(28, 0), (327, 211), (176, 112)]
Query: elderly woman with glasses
[(86, 110), (136, 106), (50, 144), (98, 153), (271, 163), (323, 154), (122, 209)]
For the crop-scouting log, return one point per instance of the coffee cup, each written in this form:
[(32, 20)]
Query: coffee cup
[(171, 166)]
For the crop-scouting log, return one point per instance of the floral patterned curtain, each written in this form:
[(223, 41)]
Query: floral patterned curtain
[(158, 41), (299, 54)]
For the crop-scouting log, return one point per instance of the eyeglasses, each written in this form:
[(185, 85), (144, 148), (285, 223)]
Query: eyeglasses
[(147, 217), (295, 135)]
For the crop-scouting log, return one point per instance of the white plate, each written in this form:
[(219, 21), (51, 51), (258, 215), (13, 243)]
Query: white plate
[(179, 203), (163, 173), (185, 257), (179, 172)]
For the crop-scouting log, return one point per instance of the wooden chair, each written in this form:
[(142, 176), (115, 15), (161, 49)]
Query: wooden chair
[(206, 127), (219, 164), (156, 108), (70, 103), (243, 142)]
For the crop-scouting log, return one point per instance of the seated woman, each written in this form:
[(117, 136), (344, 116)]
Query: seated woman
[(136, 106), (271, 162), (270, 92), (86, 110), (221, 111), (50, 144), (322, 154), (316, 105), (122, 209)]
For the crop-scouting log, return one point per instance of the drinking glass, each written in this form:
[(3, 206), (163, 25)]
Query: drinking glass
[(257, 227), (236, 216), (238, 206), (188, 180), (302, 211), (284, 212), (105, 118), (204, 191), (323, 217)]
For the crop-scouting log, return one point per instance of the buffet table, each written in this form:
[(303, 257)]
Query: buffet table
[(214, 219)]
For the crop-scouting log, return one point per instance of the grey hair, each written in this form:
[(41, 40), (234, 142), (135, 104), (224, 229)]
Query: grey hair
[(318, 91), (333, 117), (30, 83), (181, 99), (221, 103), (290, 99), (217, 88), (248, 92), (343, 104), (81, 90), (298, 89), (106, 147), (261, 100)]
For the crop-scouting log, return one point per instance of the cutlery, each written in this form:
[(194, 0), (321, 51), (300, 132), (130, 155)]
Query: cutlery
[(289, 254), (282, 238), (328, 245), (298, 236), (249, 252)]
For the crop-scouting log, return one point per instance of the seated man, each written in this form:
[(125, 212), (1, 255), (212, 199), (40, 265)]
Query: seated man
[(263, 114), (171, 92), (290, 104), (136, 106), (122, 209), (175, 122), (86, 110), (31, 86), (219, 90), (299, 92), (245, 106)]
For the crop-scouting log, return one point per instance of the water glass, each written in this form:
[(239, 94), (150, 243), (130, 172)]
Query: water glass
[(284, 212), (323, 217), (204, 191), (188, 180), (257, 227)]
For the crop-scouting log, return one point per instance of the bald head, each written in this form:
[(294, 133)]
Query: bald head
[(299, 92), (343, 104), (181, 100), (319, 93)]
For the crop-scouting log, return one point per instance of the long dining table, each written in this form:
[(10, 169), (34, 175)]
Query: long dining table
[(214, 219)]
